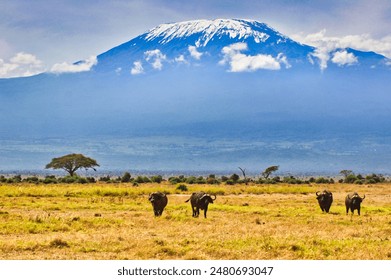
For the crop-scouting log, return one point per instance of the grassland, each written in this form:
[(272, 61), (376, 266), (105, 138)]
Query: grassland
[(115, 221)]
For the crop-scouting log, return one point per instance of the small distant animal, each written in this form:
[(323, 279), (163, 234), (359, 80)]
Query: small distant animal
[(353, 202), (325, 199), (159, 201), (200, 200)]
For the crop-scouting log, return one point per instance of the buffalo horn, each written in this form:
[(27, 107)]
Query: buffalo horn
[(317, 193), (214, 196), (363, 197)]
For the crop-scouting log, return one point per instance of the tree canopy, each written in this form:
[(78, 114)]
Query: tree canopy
[(268, 171), (72, 162)]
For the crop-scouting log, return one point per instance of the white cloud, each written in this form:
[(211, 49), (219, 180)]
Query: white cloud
[(81, 66), (156, 57), (181, 59), (240, 62), (137, 68), (325, 45), (21, 65), (25, 59), (194, 53), (283, 59), (344, 58)]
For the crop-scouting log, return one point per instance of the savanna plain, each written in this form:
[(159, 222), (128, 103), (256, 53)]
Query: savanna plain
[(255, 221)]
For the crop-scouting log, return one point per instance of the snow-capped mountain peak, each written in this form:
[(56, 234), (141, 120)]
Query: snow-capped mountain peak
[(238, 29), (233, 45)]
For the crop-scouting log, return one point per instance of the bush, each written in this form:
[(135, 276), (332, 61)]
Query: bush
[(374, 178), (157, 179), (105, 178), (182, 187), (50, 180), (81, 180), (142, 179), (32, 179), (126, 177), (191, 180), (230, 182), (91, 179), (224, 178), (234, 177), (201, 180), (351, 178), (17, 179), (69, 179), (322, 180), (212, 181), (176, 180)]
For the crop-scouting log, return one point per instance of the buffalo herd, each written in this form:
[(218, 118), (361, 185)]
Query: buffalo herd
[(201, 200), (352, 201)]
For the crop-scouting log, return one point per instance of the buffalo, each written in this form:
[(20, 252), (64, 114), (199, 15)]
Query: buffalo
[(159, 201), (200, 200), (325, 199), (352, 202)]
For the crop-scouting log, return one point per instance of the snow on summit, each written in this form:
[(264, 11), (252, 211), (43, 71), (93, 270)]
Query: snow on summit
[(233, 45), (239, 29)]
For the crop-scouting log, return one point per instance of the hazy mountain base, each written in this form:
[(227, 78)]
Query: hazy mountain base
[(167, 154), (303, 121)]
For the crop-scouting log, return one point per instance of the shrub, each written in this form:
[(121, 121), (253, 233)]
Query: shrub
[(212, 181), (191, 180), (17, 179), (32, 179), (105, 178), (69, 179), (142, 179), (201, 180), (224, 178), (234, 177), (126, 177), (81, 180), (50, 180), (91, 179), (321, 180), (176, 180), (351, 178), (157, 179), (182, 187)]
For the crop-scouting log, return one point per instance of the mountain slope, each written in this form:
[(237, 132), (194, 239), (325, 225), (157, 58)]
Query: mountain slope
[(205, 95), (224, 41)]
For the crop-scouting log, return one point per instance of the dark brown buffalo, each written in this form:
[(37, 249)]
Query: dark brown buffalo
[(353, 202), (159, 201), (325, 199), (200, 200)]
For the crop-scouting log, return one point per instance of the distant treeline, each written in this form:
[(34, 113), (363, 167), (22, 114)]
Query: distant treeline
[(210, 179)]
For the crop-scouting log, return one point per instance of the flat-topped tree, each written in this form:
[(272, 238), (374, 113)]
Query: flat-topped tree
[(72, 162), (268, 171)]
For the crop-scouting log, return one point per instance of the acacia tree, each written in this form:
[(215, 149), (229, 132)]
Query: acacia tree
[(346, 173), (268, 171), (72, 162), (244, 175)]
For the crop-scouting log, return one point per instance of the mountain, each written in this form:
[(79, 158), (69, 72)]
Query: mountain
[(206, 95)]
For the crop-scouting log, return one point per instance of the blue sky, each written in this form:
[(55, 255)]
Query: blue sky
[(41, 35)]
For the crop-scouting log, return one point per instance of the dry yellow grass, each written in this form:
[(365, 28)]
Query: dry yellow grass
[(106, 221)]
